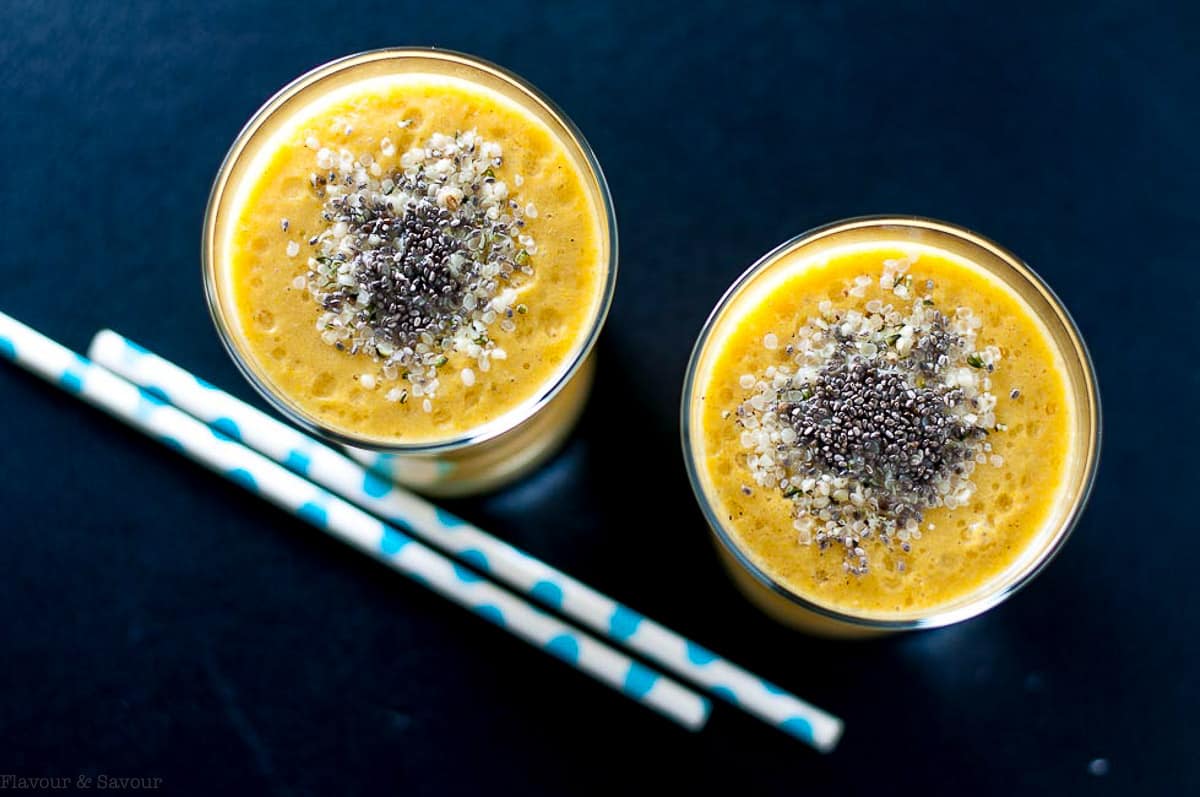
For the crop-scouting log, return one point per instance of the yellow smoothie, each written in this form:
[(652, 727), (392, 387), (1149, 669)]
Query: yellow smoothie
[(860, 545), (315, 304)]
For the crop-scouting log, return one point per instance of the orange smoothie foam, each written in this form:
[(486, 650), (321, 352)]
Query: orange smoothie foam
[(960, 550), (276, 319)]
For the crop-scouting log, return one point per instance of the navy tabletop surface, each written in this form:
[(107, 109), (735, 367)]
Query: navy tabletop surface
[(160, 624)]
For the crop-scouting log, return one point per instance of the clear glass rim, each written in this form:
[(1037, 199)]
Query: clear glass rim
[(480, 434), (989, 598)]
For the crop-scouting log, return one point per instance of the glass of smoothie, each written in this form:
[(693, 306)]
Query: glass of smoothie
[(890, 423), (412, 252)]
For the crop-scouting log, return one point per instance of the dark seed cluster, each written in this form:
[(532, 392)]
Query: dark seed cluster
[(875, 427), (411, 284), (931, 352), (875, 418), (417, 262)]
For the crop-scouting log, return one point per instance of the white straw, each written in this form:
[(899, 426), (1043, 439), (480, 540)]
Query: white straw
[(502, 561), (340, 519)]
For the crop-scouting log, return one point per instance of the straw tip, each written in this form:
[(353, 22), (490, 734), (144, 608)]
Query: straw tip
[(103, 340), (822, 733), (828, 734), (696, 713)]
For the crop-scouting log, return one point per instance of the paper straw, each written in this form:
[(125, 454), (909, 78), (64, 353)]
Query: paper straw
[(146, 412), (469, 544)]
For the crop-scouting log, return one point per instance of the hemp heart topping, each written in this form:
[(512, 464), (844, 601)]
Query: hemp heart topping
[(874, 418), (419, 262)]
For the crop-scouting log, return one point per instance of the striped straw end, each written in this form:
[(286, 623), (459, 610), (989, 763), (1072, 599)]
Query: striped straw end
[(822, 733)]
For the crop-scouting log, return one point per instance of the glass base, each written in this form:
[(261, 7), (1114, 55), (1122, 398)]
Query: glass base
[(786, 611), (495, 463)]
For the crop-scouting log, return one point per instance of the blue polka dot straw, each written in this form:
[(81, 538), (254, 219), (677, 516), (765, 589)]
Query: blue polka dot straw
[(218, 448), (470, 545)]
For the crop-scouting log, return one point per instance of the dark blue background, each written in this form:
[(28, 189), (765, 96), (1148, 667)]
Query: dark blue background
[(157, 621)]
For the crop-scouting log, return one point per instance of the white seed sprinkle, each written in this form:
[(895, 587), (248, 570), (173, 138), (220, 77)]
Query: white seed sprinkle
[(856, 367), (473, 226), (467, 376), (293, 249), (427, 405), (367, 381)]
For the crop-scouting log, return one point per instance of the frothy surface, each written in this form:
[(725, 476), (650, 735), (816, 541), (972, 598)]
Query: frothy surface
[(277, 319), (968, 546)]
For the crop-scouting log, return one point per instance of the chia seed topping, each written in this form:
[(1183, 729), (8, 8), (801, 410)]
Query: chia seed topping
[(874, 418), (419, 262)]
